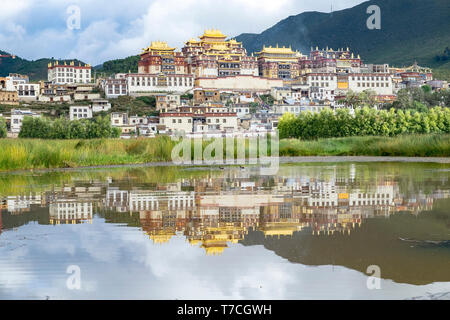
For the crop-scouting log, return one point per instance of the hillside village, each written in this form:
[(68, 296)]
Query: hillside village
[(211, 87)]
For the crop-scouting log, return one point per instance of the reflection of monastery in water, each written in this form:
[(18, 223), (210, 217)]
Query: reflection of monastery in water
[(213, 213)]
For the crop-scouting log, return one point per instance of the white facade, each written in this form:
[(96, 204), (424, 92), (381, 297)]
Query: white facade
[(381, 83), (297, 109), (281, 93), (63, 98), (322, 80), (222, 121), (80, 112), (86, 96), (241, 111), (69, 74), (116, 87), (28, 91), (99, 105), (177, 121), (140, 83), (322, 94)]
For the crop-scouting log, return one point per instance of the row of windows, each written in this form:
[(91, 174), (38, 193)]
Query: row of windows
[(371, 78), (372, 85), (153, 82), (359, 203), (27, 93), (190, 121), (378, 195), (80, 110), (68, 80), (322, 84), (326, 78), (79, 115), (72, 70), (229, 65)]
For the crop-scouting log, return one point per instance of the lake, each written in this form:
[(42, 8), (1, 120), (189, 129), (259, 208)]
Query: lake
[(313, 231)]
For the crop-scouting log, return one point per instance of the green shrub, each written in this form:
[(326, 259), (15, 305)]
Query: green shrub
[(42, 128), (364, 122)]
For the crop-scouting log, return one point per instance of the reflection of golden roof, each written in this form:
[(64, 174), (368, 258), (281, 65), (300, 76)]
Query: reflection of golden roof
[(214, 247), (280, 228), (213, 33), (214, 251), (194, 242), (160, 238)]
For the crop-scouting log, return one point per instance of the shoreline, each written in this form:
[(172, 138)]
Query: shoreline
[(282, 160)]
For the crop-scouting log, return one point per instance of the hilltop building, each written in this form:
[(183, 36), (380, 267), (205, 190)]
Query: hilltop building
[(331, 61), (63, 73), (279, 62), (214, 56), (160, 58)]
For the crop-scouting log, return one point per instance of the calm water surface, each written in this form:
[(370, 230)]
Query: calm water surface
[(310, 232)]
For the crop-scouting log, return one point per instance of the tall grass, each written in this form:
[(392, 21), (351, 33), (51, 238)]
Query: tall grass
[(417, 145), (34, 154), (16, 154)]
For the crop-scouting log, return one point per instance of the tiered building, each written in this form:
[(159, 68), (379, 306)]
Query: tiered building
[(279, 62), (160, 58), (214, 56)]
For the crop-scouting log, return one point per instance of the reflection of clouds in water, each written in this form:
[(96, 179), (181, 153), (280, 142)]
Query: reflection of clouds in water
[(118, 262)]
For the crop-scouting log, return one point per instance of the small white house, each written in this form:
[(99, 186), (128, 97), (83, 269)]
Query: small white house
[(99, 105), (80, 112), (17, 118)]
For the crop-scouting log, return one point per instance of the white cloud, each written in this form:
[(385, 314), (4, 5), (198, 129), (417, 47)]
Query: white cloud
[(115, 29)]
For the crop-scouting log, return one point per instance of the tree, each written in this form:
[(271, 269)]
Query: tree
[(364, 121), (3, 129), (352, 99), (99, 127)]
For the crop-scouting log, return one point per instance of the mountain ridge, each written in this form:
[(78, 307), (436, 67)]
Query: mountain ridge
[(411, 30)]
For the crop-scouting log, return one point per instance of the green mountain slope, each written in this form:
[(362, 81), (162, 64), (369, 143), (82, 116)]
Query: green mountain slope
[(36, 70), (129, 64), (410, 30)]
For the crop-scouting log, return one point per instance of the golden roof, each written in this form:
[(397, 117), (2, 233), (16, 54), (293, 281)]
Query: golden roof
[(213, 33), (270, 49), (158, 46), (220, 47)]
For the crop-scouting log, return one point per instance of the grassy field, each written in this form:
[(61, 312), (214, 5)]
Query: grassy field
[(16, 154), (405, 146)]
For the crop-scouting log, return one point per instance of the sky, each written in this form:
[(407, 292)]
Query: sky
[(100, 30)]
